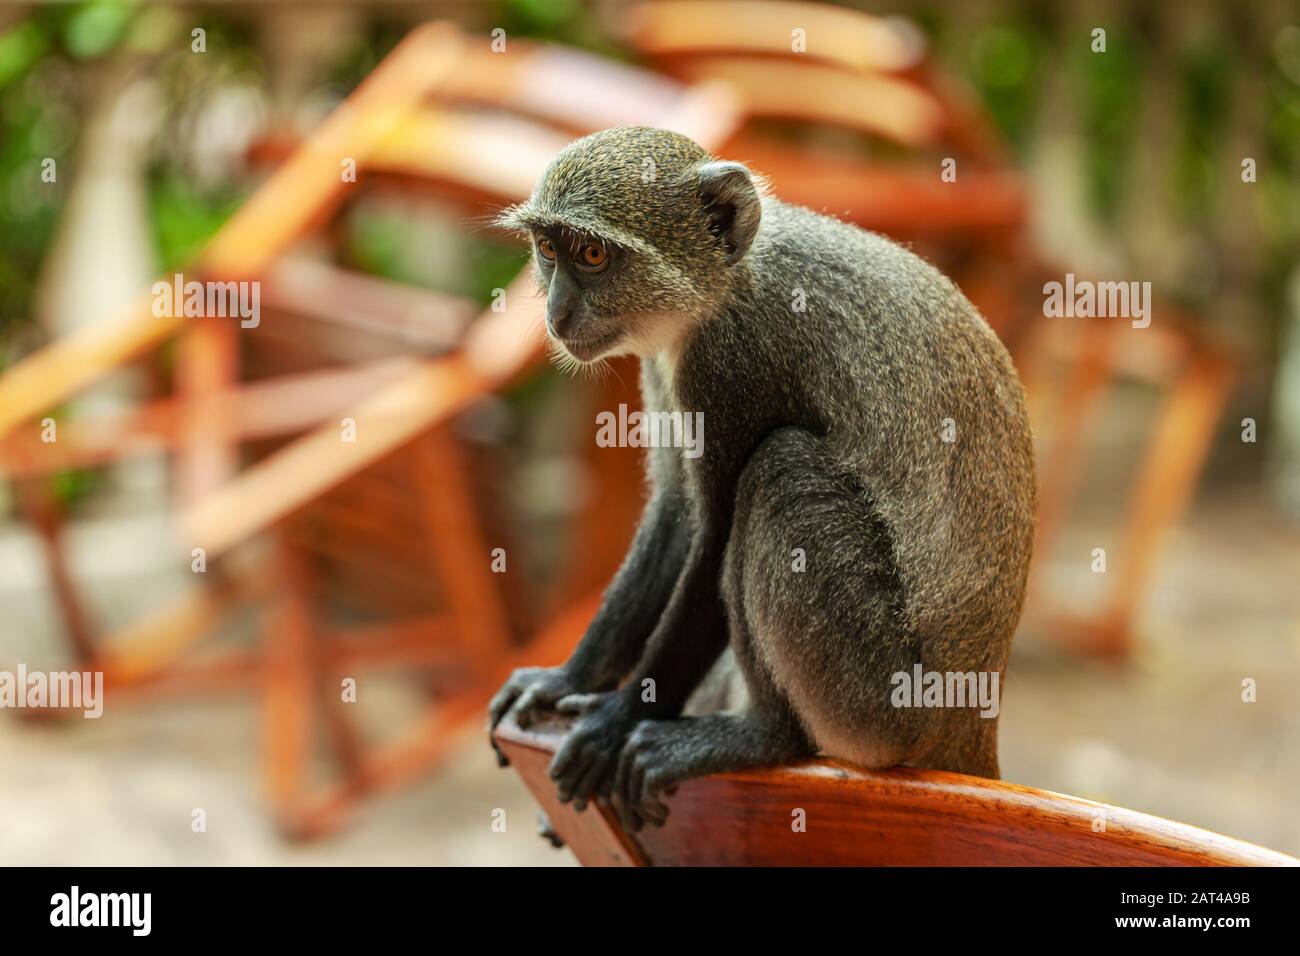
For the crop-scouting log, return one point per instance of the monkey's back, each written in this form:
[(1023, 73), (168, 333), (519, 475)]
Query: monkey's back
[(915, 394)]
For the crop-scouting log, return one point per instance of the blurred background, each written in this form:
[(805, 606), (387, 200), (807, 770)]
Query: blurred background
[(299, 630)]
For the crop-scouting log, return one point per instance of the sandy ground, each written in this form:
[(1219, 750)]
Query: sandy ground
[(1166, 733)]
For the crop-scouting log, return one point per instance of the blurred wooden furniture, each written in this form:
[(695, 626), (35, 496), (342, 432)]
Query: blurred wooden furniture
[(262, 527), (1193, 376), (854, 817)]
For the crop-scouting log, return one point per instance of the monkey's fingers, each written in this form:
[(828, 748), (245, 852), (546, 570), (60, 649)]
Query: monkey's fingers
[(592, 781), (571, 755), (646, 781), (497, 709), (653, 809), (627, 815), (627, 761), (527, 706), (502, 701), (637, 757), (579, 704), (546, 831), (502, 759), (531, 703)]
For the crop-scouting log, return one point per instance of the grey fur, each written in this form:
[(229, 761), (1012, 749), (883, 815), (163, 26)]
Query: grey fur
[(825, 432)]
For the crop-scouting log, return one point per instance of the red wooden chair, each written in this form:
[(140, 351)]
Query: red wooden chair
[(826, 813)]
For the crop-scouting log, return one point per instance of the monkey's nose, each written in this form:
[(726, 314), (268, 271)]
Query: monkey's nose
[(560, 324)]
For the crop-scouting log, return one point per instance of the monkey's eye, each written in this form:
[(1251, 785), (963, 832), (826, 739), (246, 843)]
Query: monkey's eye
[(546, 249), (592, 257)]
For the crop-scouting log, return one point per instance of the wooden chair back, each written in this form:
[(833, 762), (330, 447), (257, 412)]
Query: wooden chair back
[(828, 813)]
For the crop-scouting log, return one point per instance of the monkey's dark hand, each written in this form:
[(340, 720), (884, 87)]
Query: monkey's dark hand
[(528, 690), (584, 765), (657, 756)]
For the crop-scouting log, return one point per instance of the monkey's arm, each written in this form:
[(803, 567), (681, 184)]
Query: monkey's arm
[(635, 600), (686, 641), (631, 606), (690, 635)]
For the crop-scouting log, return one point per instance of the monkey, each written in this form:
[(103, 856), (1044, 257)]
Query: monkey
[(863, 504)]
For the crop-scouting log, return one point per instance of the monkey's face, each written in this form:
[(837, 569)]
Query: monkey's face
[(635, 234), (574, 269), (604, 299)]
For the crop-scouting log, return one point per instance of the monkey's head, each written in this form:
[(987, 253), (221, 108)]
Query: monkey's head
[(637, 234)]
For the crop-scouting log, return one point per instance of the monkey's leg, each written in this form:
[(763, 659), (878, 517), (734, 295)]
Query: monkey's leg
[(813, 602), (659, 754), (662, 753), (816, 578)]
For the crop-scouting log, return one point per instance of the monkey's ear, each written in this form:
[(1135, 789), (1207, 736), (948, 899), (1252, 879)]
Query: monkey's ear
[(732, 204)]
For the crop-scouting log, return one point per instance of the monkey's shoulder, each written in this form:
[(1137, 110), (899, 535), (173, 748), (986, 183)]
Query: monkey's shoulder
[(849, 282), (830, 251)]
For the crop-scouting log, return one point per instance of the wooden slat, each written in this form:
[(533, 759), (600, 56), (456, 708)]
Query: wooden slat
[(297, 194), (855, 817), (409, 316), (261, 409), (899, 201), (207, 366), (894, 109), (567, 88), (495, 155), (140, 651), (847, 38), (423, 643), (460, 553), (500, 345)]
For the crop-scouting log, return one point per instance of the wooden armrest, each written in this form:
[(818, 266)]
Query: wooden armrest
[(854, 817)]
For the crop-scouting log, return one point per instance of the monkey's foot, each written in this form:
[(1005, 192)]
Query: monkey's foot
[(584, 765), (660, 754)]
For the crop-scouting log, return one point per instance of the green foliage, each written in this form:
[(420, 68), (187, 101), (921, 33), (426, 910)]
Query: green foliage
[(1006, 62), (1206, 73), (93, 29), (39, 106), (185, 216), (561, 21), (1110, 87), (20, 48)]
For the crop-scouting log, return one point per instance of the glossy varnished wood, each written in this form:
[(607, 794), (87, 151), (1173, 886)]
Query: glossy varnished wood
[(853, 817)]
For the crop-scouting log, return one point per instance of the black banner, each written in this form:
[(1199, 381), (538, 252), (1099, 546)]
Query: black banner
[(336, 906)]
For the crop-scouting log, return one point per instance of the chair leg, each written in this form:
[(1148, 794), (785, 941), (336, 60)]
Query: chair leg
[(45, 514), (288, 691)]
